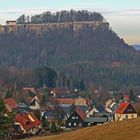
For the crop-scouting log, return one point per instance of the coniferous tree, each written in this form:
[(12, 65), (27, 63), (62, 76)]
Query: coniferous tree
[(5, 120), (53, 128), (132, 96), (22, 19), (81, 85), (8, 94), (72, 108)]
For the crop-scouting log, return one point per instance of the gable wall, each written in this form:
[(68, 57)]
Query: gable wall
[(120, 117), (74, 120)]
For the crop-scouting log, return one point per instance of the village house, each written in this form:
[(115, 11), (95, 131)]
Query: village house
[(11, 23), (66, 109), (89, 121), (111, 105), (125, 110), (92, 112), (49, 114), (60, 92), (79, 118), (96, 109), (28, 123), (10, 26), (97, 115), (68, 101), (76, 119), (35, 103)]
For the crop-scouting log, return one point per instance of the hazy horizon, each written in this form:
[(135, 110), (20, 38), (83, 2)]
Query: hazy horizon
[(124, 16)]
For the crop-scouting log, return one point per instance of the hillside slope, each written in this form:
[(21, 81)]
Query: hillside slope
[(125, 130), (95, 55)]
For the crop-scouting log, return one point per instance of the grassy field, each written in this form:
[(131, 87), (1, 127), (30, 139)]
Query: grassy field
[(124, 130)]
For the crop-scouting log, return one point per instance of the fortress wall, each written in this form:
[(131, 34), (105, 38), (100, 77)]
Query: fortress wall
[(44, 27)]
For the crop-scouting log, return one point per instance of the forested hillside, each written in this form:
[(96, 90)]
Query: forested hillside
[(96, 56)]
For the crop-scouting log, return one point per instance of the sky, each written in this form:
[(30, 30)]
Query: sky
[(123, 15)]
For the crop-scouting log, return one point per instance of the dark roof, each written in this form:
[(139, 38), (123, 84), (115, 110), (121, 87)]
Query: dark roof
[(103, 114), (33, 103), (24, 108), (50, 114), (113, 108), (66, 108), (100, 108), (16, 127), (96, 120)]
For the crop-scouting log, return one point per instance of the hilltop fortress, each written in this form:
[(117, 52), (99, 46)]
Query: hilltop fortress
[(12, 26)]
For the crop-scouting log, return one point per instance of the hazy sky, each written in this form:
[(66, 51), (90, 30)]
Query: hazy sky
[(123, 15)]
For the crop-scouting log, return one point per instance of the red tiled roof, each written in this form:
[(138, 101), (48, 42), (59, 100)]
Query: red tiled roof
[(122, 107), (11, 103), (60, 90), (28, 89), (27, 120), (23, 121), (64, 101), (35, 121), (80, 113)]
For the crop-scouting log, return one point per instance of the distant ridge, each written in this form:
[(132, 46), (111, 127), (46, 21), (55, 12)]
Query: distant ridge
[(137, 47)]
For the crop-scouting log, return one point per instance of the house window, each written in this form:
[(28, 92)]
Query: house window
[(132, 116), (80, 124), (76, 117), (73, 118), (75, 124), (89, 124), (126, 116), (69, 124)]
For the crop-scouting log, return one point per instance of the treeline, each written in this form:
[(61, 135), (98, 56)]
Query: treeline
[(62, 16), (38, 77)]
